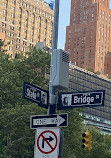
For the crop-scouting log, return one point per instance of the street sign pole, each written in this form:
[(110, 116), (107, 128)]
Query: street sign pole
[(52, 97), (61, 144)]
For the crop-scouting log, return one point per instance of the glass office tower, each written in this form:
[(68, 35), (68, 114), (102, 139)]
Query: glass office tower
[(83, 80)]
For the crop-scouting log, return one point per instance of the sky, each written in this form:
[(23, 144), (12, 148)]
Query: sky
[(64, 20)]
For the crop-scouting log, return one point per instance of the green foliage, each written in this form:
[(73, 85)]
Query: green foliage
[(97, 73), (100, 145), (14, 72), (1, 44), (16, 132), (16, 138), (90, 69), (109, 77), (72, 139)]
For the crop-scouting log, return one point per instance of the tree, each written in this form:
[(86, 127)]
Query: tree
[(109, 77), (15, 131), (14, 110), (97, 73), (16, 137), (101, 145), (90, 69), (14, 72), (1, 44), (72, 139)]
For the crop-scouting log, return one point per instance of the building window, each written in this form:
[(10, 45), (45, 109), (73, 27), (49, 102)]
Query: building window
[(18, 40), (3, 24), (31, 40), (3, 18), (9, 34), (17, 47), (23, 49), (11, 27), (11, 42), (24, 43), (9, 48), (12, 35)]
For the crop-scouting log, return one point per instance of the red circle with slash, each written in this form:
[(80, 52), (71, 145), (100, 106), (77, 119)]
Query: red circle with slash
[(48, 143)]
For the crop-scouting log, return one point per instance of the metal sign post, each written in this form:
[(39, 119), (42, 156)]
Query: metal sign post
[(52, 97), (49, 148)]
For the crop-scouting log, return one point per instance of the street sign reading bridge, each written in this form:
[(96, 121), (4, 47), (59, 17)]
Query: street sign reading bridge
[(68, 100)]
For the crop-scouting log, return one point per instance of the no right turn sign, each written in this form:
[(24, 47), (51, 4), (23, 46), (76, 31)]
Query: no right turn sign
[(47, 143)]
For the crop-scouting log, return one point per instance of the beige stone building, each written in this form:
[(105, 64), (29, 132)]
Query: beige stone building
[(24, 23), (2, 36), (88, 37)]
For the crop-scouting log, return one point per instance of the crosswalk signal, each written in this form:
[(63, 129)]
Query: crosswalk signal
[(87, 140)]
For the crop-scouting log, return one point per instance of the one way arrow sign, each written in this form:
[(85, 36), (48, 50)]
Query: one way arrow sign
[(55, 120)]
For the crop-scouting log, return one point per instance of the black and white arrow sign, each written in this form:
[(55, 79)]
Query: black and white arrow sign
[(48, 120)]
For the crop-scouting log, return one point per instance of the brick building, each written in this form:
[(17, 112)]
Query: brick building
[(24, 23), (108, 63), (88, 37)]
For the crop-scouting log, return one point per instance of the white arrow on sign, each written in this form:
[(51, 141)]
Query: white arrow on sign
[(44, 121)]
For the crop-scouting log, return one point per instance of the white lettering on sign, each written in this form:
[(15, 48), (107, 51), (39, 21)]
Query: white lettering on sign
[(97, 96), (45, 121), (83, 99), (45, 156), (40, 122), (54, 120), (31, 94)]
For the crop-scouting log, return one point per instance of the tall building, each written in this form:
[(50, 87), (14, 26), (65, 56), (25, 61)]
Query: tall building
[(2, 36), (24, 23), (83, 80), (88, 37)]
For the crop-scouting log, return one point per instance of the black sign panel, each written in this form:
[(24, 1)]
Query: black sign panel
[(81, 99), (36, 94), (54, 120)]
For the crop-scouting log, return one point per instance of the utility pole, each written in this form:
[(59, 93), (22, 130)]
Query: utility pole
[(52, 97)]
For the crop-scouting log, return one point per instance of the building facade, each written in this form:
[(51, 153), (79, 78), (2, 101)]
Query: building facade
[(2, 36), (24, 23), (108, 63), (88, 37), (83, 80)]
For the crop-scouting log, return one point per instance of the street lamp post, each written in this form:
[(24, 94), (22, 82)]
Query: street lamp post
[(52, 97)]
